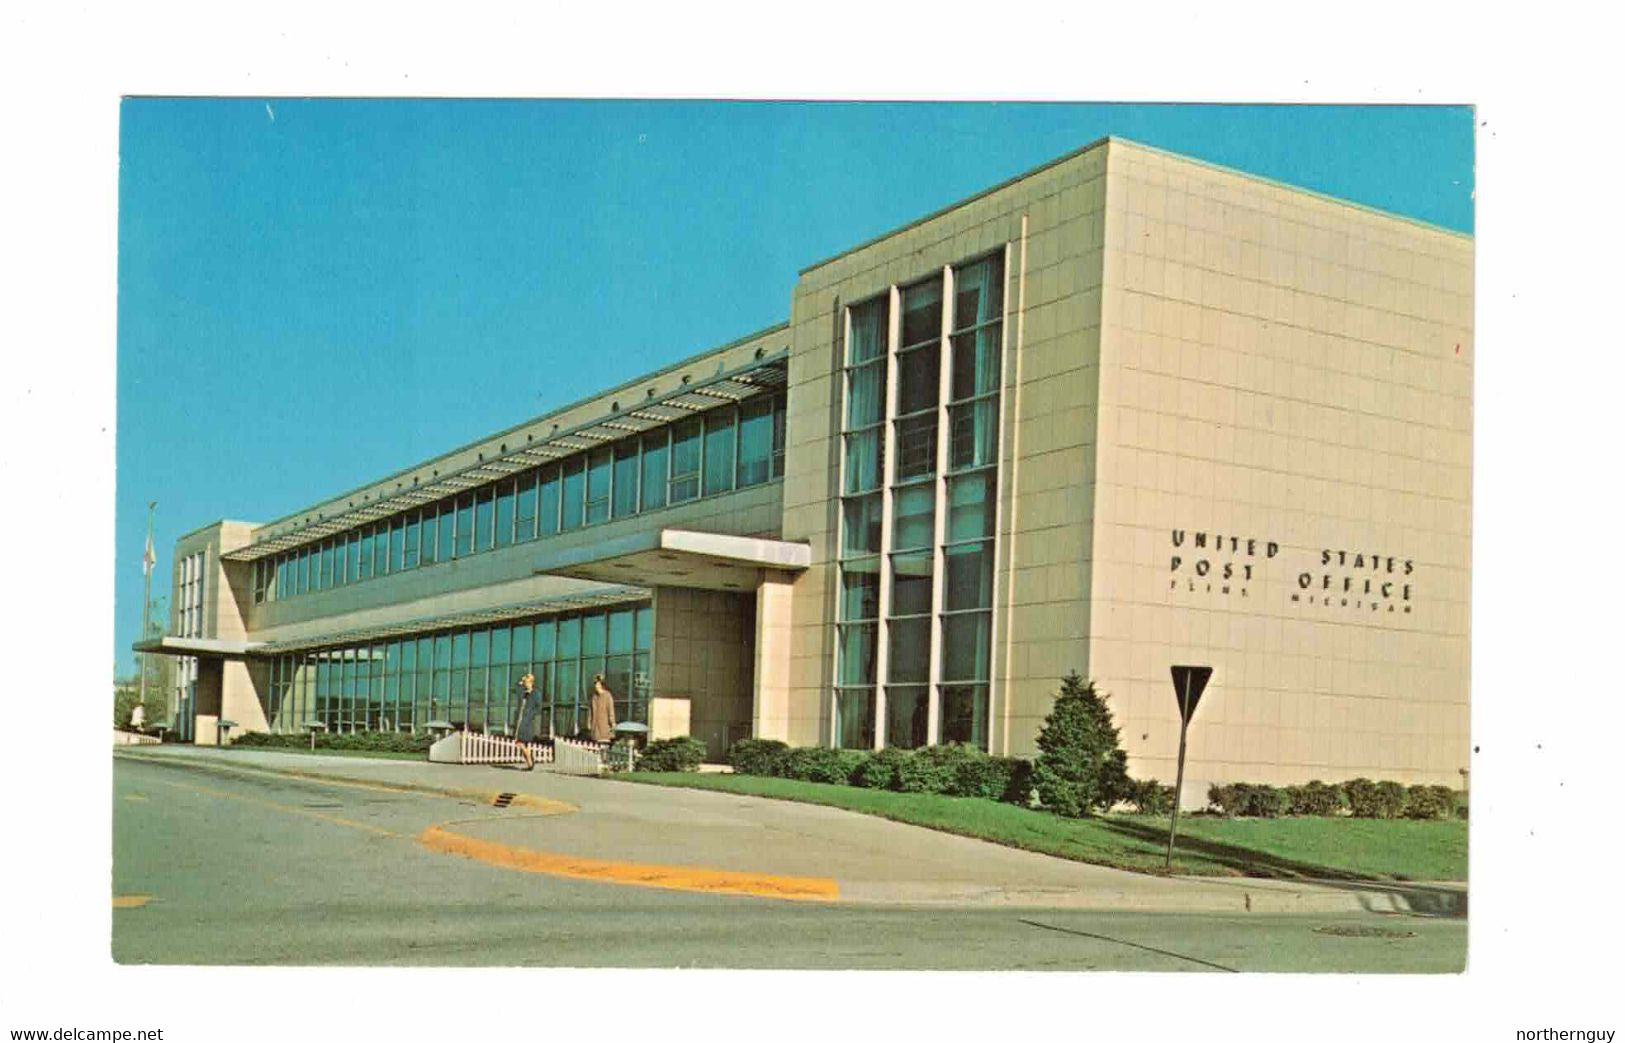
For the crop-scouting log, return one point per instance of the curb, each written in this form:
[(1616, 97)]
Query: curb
[(544, 805), (1261, 899)]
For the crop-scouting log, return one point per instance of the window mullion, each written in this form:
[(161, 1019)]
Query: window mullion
[(894, 333), (939, 563)]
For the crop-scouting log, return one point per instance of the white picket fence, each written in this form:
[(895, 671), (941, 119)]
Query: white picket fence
[(464, 747), (479, 748)]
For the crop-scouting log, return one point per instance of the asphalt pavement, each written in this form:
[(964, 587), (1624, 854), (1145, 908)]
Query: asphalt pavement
[(243, 856)]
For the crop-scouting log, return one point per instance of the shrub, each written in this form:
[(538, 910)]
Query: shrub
[(387, 742), (931, 769), (683, 753), (757, 756), (1430, 802), (1460, 799), (1369, 799), (1081, 767), (1150, 797), (1316, 798), (879, 770), (819, 764), (1008, 779), (1250, 799)]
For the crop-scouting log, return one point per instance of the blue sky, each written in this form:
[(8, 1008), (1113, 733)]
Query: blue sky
[(315, 293)]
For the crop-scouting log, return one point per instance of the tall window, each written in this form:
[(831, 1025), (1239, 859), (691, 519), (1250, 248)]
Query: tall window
[(598, 472), (654, 470), (575, 493), (685, 461), (755, 441), (863, 445), (973, 418), (504, 520), (916, 606), (626, 478)]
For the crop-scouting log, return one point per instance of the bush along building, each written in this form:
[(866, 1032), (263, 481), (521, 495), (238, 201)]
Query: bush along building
[(1123, 411)]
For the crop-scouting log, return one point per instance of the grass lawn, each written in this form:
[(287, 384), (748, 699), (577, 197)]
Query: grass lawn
[(1320, 848)]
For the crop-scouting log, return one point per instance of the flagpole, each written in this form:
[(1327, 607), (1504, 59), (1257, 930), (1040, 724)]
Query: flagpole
[(147, 562)]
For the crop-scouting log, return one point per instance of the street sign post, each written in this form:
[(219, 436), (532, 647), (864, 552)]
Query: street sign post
[(1189, 683)]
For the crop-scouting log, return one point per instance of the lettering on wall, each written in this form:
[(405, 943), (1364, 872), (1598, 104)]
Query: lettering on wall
[(1356, 579), (1227, 565), (1216, 563)]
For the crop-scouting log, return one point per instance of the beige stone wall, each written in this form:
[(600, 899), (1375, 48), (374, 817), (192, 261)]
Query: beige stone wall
[(232, 689), (1292, 371), (1051, 221), (704, 653), (770, 692)]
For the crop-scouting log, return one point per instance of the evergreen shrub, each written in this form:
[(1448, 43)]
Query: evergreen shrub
[(879, 770), (1317, 798), (757, 756), (1425, 802), (682, 753), (1150, 797), (1249, 799), (1007, 779), (819, 764), (1081, 767), (930, 769), (1369, 799), (384, 742)]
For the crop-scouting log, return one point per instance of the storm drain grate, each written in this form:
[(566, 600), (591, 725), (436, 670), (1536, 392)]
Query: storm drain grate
[(504, 799), (1345, 931)]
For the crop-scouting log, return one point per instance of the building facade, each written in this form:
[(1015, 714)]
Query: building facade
[(1125, 411)]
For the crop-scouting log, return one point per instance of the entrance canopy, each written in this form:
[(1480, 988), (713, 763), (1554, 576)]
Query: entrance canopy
[(203, 647), (679, 558)]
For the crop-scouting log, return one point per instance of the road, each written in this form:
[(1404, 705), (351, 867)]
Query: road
[(225, 869)]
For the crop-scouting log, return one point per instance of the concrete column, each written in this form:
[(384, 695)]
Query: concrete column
[(770, 705)]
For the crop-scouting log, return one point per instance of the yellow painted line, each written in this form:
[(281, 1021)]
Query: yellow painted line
[(135, 796), (130, 901), (543, 805), (636, 874)]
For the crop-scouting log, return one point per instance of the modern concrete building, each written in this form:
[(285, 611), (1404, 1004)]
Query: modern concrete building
[(1124, 411)]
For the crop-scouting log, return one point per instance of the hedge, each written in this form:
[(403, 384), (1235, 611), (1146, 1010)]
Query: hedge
[(1361, 798), (757, 756), (387, 742), (953, 770), (682, 753)]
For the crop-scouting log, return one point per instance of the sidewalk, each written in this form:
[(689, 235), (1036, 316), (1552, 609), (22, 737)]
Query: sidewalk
[(871, 860)]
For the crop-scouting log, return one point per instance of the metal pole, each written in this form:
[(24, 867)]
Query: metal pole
[(146, 601), (1179, 779)]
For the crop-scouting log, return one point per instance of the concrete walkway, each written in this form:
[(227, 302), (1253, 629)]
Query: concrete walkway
[(870, 860)]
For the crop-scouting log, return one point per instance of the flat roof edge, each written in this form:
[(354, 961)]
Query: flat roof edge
[(1287, 185), (966, 201)]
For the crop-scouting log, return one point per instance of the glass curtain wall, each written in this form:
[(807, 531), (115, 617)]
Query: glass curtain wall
[(917, 605), (733, 447), (467, 676)]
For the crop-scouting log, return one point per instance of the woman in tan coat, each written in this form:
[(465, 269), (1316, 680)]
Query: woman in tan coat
[(601, 711)]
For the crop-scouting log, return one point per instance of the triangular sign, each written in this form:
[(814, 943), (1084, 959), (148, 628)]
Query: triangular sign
[(1189, 682)]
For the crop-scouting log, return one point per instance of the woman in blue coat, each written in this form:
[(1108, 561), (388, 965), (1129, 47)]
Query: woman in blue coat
[(530, 712)]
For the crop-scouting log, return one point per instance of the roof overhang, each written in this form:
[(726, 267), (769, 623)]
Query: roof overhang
[(203, 647), (679, 558), (765, 374)]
